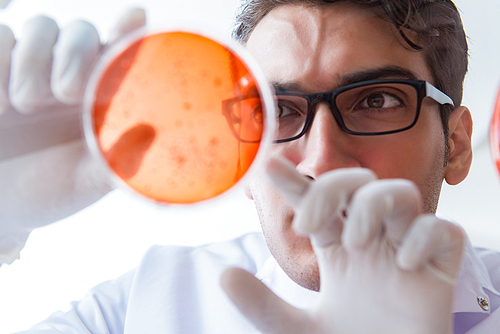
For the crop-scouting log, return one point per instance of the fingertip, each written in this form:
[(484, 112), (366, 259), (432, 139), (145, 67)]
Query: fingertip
[(457, 232), (130, 20), (302, 226), (31, 62), (284, 176), (41, 25), (231, 278), (326, 203), (417, 245), (4, 3), (126, 155), (7, 41), (137, 16), (74, 55), (427, 238), (7, 38), (246, 292), (262, 307), (367, 212), (226, 280), (381, 208)]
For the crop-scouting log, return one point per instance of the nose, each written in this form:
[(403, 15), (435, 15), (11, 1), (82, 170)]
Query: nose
[(326, 146)]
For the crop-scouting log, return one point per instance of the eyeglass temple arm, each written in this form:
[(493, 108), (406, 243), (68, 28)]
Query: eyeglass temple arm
[(437, 95)]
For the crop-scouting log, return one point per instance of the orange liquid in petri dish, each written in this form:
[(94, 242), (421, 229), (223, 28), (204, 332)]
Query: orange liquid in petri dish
[(159, 121), (495, 134)]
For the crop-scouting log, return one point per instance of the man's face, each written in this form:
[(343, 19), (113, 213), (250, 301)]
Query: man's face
[(313, 50)]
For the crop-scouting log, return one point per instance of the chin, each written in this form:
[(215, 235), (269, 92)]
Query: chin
[(308, 277), (305, 272), (293, 252), (296, 257)]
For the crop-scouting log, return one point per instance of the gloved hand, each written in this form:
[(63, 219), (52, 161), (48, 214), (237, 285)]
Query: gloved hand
[(4, 3), (384, 266), (45, 170)]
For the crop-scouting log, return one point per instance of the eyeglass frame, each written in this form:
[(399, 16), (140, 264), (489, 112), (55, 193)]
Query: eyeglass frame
[(423, 88)]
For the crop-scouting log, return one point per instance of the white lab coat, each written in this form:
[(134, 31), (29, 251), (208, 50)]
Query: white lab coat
[(176, 290)]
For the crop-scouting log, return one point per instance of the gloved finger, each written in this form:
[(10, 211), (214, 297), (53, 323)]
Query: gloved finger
[(127, 153), (291, 184), (75, 52), (434, 244), (322, 210), (7, 42), (4, 3), (266, 311), (131, 20), (31, 65), (387, 206)]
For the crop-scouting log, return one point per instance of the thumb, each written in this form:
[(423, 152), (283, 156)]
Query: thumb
[(266, 311), (4, 3), (75, 53), (129, 21), (435, 244)]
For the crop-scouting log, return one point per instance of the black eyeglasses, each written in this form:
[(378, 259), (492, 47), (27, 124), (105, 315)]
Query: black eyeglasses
[(368, 108)]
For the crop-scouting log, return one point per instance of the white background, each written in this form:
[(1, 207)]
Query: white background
[(60, 262)]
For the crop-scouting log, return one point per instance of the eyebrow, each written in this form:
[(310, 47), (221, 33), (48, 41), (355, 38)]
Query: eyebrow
[(387, 72), (291, 86)]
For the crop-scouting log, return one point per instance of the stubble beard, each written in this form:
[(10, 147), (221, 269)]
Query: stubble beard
[(294, 255)]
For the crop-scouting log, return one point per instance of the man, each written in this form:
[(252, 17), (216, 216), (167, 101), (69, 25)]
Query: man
[(357, 184)]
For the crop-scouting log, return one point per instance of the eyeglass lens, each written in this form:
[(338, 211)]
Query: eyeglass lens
[(375, 108)]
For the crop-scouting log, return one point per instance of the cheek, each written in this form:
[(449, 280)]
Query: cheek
[(293, 151), (390, 160), (274, 211), (275, 214), (414, 154), (292, 252), (268, 202)]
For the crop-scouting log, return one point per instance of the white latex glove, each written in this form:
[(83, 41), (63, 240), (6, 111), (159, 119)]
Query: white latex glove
[(384, 267), (46, 173), (4, 3)]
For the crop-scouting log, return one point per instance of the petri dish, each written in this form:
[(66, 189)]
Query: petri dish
[(495, 134), (178, 116)]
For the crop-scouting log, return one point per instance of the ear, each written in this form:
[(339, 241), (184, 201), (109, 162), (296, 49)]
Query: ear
[(460, 133)]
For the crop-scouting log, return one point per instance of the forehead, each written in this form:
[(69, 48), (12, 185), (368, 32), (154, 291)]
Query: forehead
[(316, 46)]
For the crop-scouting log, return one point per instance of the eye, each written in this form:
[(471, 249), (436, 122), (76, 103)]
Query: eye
[(249, 108), (284, 110), (381, 100), (287, 108), (257, 114)]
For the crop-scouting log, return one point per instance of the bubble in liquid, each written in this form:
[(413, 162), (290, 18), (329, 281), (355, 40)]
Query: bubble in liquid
[(187, 151)]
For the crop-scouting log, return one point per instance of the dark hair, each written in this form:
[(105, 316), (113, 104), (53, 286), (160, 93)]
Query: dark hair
[(436, 24)]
